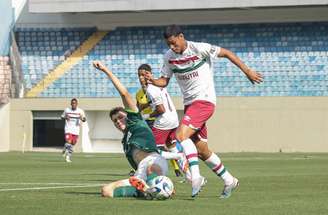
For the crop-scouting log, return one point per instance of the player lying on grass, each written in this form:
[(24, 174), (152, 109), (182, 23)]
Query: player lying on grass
[(138, 143)]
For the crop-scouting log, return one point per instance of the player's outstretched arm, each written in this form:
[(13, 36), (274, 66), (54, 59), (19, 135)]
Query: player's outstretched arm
[(252, 75), (125, 95), (159, 82)]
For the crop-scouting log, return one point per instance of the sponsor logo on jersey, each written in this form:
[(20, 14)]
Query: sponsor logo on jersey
[(185, 77), (213, 49)]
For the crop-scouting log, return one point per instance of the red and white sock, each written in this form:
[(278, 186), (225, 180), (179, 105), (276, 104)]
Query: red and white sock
[(191, 153), (215, 164)]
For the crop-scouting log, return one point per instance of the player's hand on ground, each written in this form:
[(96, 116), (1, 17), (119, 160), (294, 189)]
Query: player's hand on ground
[(254, 76), (99, 65)]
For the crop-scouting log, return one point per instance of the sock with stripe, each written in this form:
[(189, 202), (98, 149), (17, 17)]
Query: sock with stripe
[(191, 153), (169, 155), (215, 164), (125, 191), (173, 162), (178, 149)]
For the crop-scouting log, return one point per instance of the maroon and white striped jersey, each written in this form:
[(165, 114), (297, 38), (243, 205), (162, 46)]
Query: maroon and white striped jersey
[(193, 70)]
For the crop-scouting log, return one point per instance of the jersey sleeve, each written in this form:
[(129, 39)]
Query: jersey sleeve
[(154, 94), (166, 70), (133, 115), (207, 50)]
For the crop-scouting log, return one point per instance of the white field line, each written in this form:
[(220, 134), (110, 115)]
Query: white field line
[(48, 188), (45, 183)]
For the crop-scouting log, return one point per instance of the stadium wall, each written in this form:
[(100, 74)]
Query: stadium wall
[(240, 124), (4, 127)]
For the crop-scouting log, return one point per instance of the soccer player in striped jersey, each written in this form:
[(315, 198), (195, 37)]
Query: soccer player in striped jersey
[(166, 120), (73, 116), (138, 143), (192, 65), (143, 104)]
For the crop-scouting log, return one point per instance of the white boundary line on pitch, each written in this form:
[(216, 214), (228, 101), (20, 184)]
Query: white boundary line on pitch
[(48, 188), (46, 183)]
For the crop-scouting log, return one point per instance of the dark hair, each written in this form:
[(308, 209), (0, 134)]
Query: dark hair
[(172, 30), (144, 67), (115, 111), (73, 99)]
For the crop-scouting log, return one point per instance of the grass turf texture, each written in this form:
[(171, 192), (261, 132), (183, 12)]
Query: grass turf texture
[(270, 184)]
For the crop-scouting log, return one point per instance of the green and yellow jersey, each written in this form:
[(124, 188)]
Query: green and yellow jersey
[(141, 98)]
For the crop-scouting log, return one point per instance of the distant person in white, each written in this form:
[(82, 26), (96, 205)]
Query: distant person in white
[(73, 117)]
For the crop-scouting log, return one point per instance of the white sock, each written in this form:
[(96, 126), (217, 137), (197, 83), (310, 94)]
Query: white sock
[(191, 153), (174, 149), (169, 155), (215, 164)]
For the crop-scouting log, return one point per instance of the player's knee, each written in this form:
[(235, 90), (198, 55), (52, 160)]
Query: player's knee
[(181, 136), (154, 169), (184, 132)]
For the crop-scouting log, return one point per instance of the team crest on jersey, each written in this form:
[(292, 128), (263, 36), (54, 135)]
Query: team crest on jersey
[(213, 49)]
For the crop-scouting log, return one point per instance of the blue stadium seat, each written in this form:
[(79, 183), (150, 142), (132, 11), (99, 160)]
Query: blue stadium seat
[(293, 57)]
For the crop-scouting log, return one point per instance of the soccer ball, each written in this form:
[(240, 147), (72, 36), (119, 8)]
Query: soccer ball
[(162, 187)]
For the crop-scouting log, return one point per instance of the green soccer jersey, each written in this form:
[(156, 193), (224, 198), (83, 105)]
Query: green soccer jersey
[(137, 135)]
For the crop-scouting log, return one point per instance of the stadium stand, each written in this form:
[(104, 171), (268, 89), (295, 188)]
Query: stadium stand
[(43, 49), (5, 79), (291, 56)]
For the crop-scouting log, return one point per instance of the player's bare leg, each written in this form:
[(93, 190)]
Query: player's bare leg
[(68, 151), (180, 164), (121, 188)]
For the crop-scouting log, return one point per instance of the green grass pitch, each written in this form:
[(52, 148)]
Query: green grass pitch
[(42, 183)]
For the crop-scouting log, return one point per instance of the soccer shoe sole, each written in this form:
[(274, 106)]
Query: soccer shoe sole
[(139, 184)]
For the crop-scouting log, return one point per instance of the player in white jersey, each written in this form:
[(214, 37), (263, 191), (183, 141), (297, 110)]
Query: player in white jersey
[(73, 117), (191, 63), (166, 120)]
